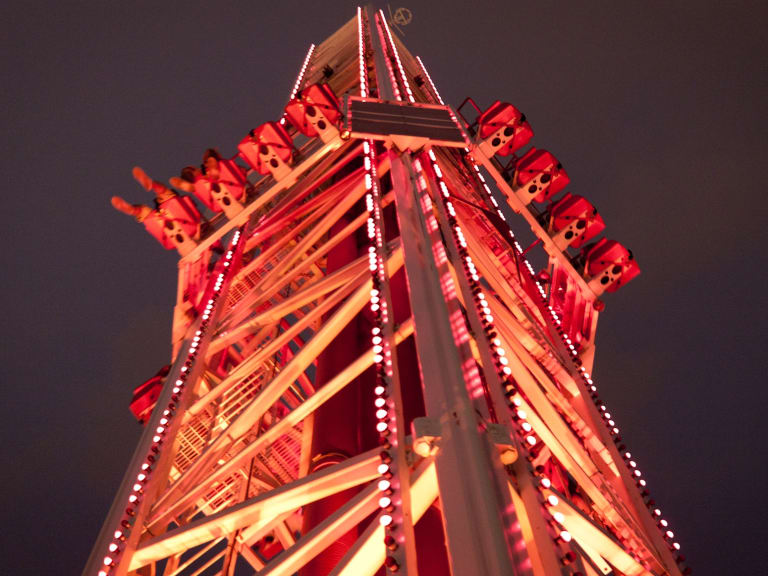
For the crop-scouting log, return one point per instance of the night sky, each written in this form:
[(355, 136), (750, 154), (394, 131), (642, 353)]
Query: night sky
[(658, 113)]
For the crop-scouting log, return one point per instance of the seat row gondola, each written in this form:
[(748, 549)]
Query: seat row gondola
[(221, 184), (571, 221)]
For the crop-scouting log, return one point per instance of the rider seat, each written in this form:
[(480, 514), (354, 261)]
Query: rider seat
[(573, 221), (315, 112), (268, 150), (175, 223), (608, 266), (502, 130), (538, 177)]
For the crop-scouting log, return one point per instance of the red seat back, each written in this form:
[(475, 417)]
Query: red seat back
[(179, 209), (572, 207), (301, 111), (145, 395), (255, 148), (512, 123), (542, 166), (609, 254)]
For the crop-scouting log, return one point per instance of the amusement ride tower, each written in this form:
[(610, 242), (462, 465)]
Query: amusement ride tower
[(368, 375)]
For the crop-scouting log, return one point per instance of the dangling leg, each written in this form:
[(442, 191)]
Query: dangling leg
[(161, 191), (182, 184), (138, 211)]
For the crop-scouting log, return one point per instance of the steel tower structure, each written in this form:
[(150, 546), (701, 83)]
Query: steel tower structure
[(368, 374)]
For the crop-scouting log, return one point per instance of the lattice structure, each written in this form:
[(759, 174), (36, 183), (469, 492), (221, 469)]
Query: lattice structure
[(368, 373)]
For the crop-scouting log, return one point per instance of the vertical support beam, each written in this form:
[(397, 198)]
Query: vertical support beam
[(175, 393), (388, 389), (469, 495), (540, 555), (398, 522)]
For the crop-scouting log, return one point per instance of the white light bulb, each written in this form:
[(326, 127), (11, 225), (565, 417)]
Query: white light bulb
[(552, 499)]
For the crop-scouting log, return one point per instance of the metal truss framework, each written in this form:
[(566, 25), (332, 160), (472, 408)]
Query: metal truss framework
[(381, 270)]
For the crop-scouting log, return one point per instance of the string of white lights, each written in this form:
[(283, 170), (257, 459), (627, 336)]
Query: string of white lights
[(518, 407), (299, 79), (569, 345), (582, 372), (122, 531), (393, 49), (429, 78), (385, 395)]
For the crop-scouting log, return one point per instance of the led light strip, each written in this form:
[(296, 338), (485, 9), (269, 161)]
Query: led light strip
[(486, 315), (473, 277), (501, 363), (515, 403), (361, 55), (392, 77), (299, 79), (519, 415), (383, 402), (499, 354), (123, 531), (385, 396), (459, 329), (518, 406), (432, 84), (585, 376), (400, 68), (552, 500)]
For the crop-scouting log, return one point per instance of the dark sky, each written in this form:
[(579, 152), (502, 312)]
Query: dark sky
[(657, 111)]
